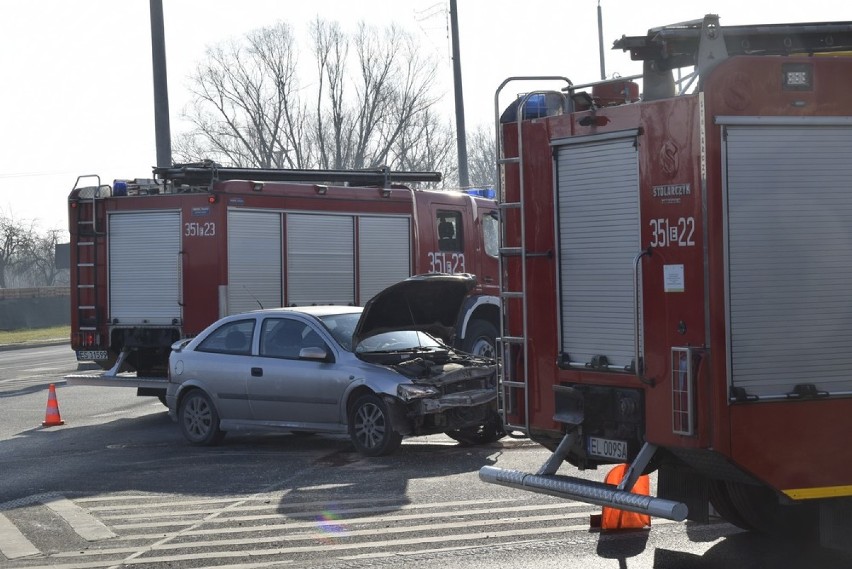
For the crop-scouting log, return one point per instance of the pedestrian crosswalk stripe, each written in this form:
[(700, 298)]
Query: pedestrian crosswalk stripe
[(13, 544), (79, 519)]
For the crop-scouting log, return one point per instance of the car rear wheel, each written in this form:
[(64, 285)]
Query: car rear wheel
[(370, 427), (488, 432), (199, 420)]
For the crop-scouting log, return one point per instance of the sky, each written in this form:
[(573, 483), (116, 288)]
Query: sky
[(76, 93)]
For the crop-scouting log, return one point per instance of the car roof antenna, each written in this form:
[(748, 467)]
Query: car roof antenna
[(253, 296)]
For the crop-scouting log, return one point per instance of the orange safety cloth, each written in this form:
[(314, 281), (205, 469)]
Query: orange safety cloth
[(613, 519)]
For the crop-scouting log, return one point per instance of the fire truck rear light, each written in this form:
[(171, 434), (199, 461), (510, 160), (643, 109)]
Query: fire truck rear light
[(683, 417), (212, 199)]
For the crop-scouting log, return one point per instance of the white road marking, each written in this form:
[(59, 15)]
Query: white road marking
[(13, 544), (79, 519)]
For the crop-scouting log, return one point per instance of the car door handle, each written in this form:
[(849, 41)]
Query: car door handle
[(257, 372)]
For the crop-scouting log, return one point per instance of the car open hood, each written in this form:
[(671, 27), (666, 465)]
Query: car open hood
[(430, 303)]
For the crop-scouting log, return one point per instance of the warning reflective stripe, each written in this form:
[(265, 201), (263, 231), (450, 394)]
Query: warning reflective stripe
[(822, 492)]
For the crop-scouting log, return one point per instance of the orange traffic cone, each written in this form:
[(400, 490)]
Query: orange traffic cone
[(613, 519), (51, 416)]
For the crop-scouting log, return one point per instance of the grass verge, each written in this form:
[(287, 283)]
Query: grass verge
[(34, 335)]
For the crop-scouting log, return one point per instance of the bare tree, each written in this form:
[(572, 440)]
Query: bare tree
[(16, 239), (372, 95), (482, 157), (40, 265), (247, 110)]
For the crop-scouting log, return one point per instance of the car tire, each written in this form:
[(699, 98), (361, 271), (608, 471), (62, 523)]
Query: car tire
[(370, 427), (480, 339), (490, 431), (199, 420)]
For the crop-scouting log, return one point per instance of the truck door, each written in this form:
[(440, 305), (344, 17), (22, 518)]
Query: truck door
[(320, 259), (384, 253), (788, 258), (597, 182), (149, 239), (254, 260)]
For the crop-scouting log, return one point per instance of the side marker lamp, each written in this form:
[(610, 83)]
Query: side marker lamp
[(797, 77)]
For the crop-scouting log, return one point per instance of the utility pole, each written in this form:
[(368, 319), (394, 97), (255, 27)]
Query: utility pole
[(161, 87), (600, 41), (461, 141)]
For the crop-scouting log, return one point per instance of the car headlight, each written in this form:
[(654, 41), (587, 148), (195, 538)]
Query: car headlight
[(409, 391)]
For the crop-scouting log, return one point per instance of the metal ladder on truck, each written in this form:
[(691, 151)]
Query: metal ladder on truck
[(513, 342), (90, 220)]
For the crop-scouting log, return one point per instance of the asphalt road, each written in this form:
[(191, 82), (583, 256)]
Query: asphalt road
[(117, 486)]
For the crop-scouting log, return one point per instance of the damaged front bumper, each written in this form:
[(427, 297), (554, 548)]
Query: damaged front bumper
[(464, 399)]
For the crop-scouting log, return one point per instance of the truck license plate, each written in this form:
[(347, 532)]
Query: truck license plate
[(607, 448), (91, 355)]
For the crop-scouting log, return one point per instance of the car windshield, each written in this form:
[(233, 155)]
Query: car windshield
[(398, 341), (342, 326)]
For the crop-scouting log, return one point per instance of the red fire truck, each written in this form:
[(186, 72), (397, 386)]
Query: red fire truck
[(157, 260), (675, 273)]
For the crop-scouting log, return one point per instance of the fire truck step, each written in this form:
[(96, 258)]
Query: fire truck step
[(509, 160), (512, 339), (511, 251)]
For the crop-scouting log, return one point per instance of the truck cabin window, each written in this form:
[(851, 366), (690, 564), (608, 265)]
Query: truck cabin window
[(449, 224)]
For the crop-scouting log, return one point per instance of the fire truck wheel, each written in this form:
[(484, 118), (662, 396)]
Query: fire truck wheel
[(721, 501), (489, 432), (370, 427), (481, 339), (760, 509), (199, 420)]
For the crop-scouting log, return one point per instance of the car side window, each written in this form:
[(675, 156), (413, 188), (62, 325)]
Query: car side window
[(233, 337), (285, 338)]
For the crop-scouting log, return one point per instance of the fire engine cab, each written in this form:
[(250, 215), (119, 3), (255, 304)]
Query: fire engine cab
[(157, 260), (675, 275)]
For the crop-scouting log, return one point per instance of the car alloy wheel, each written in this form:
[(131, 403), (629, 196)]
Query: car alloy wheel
[(370, 428), (199, 419)]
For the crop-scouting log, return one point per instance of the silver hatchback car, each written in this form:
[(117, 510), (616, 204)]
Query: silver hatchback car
[(376, 374)]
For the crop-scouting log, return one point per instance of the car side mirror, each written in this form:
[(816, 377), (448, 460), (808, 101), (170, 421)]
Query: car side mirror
[(314, 353)]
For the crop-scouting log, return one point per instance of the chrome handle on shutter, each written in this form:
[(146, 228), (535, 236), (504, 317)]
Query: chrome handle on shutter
[(637, 362), (180, 278)]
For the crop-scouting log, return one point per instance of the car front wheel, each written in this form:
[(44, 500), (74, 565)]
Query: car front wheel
[(370, 427), (199, 420), (490, 431)]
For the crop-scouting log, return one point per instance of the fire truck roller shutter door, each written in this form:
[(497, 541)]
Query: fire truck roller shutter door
[(384, 253), (597, 294), (788, 257), (254, 260)]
